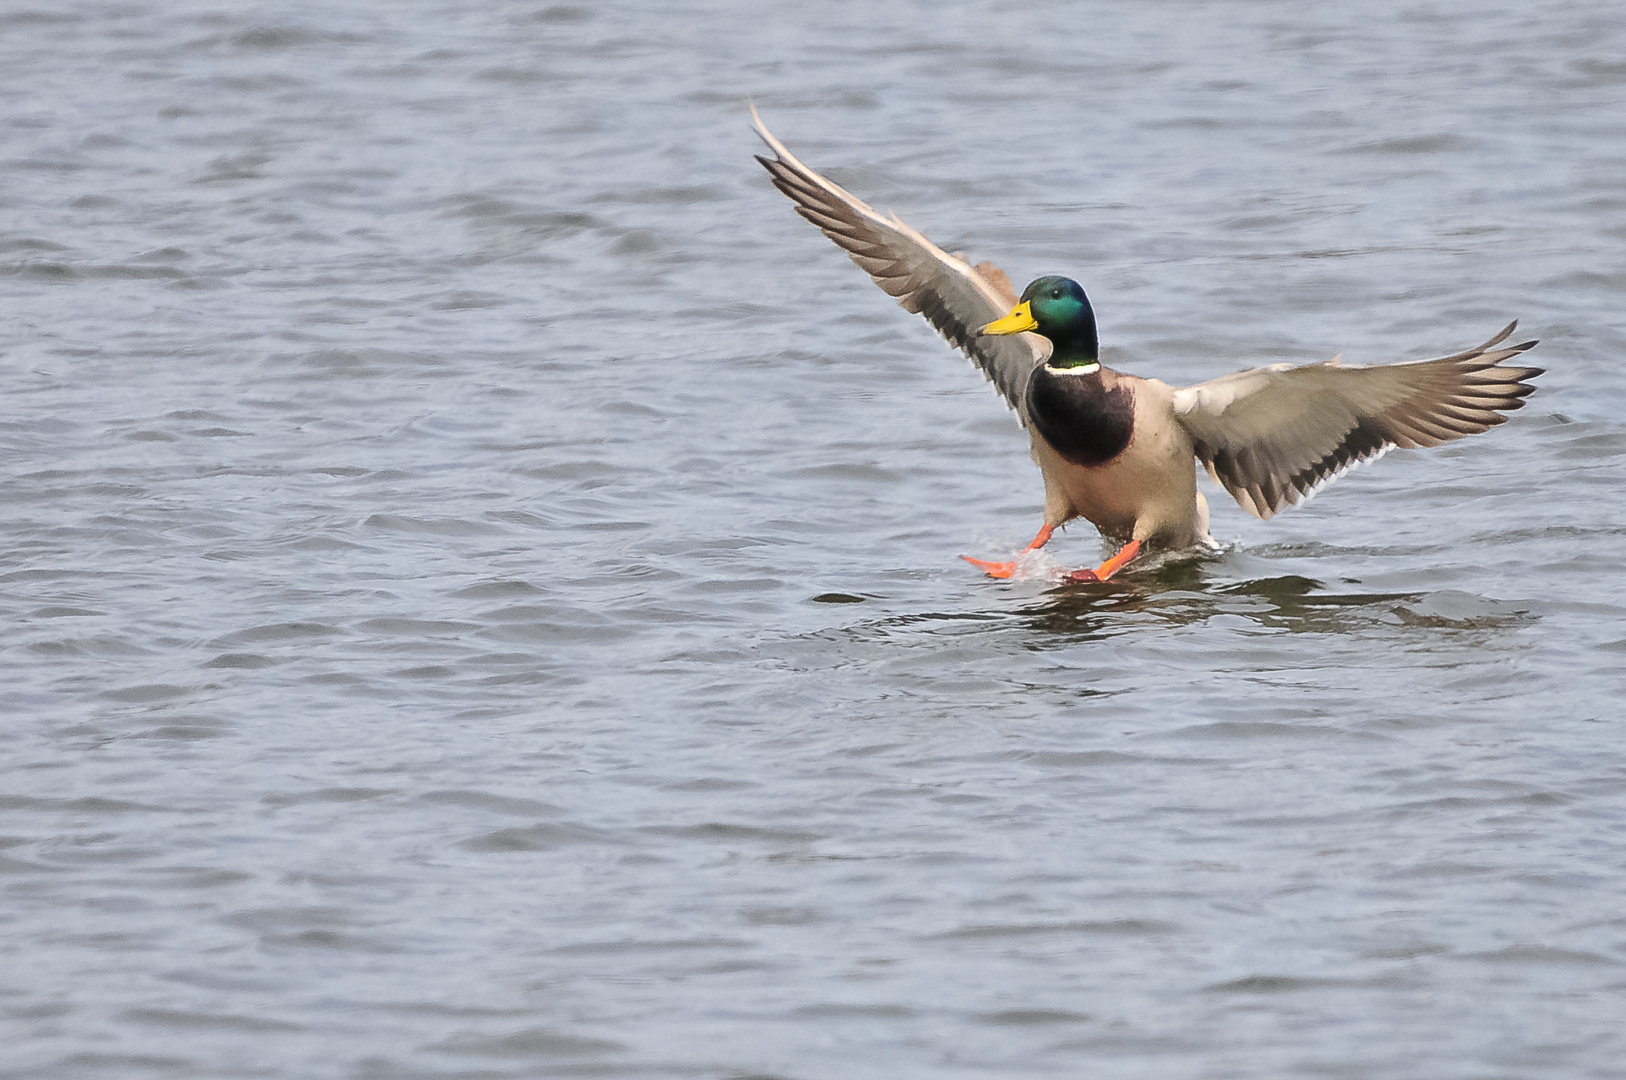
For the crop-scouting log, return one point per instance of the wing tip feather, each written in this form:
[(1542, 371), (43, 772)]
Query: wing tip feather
[(951, 293)]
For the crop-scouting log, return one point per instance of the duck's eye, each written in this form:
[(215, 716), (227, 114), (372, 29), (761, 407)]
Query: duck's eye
[(1055, 294)]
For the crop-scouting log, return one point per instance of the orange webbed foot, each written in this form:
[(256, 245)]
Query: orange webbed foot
[(992, 569), (1008, 569), (1108, 568)]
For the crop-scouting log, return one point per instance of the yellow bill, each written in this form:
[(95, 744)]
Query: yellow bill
[(1020, 319)]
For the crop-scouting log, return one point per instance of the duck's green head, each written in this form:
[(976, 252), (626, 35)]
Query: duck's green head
[(1055, 308)]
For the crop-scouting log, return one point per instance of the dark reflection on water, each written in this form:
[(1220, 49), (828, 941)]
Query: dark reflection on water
[(1179, 594)]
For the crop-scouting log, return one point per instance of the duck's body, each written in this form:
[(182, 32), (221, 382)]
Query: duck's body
[(1120, 450), (1105, 456)]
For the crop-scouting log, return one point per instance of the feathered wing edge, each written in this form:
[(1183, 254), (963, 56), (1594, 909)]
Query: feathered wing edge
[(1419, 403), (955, 297)]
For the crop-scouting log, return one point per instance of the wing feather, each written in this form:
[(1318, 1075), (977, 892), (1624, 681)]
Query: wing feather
[(955, 297), (1274, 436)]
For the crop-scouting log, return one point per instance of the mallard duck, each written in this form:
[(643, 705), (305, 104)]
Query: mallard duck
[(1120, 450)]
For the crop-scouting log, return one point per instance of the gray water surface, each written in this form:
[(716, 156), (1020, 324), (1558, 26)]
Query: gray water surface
[(481, 592)]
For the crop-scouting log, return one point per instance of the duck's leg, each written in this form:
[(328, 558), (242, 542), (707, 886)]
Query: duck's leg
[(1006, 569), (1108, 568)]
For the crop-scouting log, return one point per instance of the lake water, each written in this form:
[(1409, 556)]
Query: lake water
[(481, 592)]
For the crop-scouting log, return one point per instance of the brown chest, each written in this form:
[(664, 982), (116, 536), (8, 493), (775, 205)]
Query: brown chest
[(1088, 420)]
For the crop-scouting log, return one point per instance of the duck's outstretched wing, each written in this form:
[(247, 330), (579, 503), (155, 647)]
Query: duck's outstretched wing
[(1275, 436), (954, 296)]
